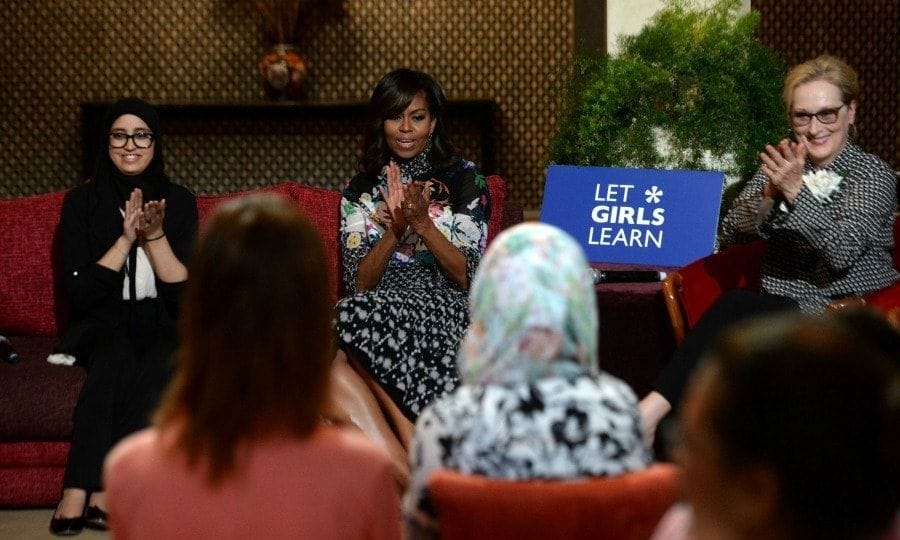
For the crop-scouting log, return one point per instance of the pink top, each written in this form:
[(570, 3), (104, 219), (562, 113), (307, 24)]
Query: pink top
[(334, 484)]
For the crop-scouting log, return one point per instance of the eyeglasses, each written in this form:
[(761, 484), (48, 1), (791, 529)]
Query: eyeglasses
[(141, 139), (825, 116)]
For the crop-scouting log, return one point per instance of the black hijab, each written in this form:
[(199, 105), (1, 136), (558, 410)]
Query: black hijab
[(153, 182)]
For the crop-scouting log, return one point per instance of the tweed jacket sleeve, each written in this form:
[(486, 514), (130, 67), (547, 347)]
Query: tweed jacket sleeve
[(819, 250)]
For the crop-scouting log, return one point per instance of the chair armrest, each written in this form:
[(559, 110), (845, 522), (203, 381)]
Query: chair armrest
[(694, 287), (885, 301), (893, 317), (847, 302), (626, 507), (671, 290)]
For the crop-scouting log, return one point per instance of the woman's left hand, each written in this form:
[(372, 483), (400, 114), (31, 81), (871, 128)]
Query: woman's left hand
[(784, 167), (393, 198), (416, 198), (152, 221)]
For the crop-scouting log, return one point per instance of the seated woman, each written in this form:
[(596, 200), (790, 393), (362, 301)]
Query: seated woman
[(534, 403), (790, 430), (413, 229), (125, 237), (237, 449), (826, 209)]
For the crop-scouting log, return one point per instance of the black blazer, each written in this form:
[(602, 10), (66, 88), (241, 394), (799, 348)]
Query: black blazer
[(91, 222)]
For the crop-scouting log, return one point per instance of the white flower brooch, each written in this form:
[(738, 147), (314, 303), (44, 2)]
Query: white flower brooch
[(823, 184)]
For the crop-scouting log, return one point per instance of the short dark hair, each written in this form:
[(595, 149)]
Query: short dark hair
[(393, 94), (817, 403), (257, 340)]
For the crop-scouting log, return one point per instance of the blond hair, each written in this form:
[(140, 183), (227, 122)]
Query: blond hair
[(822, 68)]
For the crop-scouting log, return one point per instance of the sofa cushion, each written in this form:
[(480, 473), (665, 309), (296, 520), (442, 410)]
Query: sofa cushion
[(37, 397), (37, 454), (321, 205), (30, 487), (29, 266)]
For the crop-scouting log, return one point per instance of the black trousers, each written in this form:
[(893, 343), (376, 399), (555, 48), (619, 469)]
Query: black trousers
[(128, 368), (733, 307)]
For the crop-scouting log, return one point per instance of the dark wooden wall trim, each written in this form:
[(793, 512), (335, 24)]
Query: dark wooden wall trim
[(590, 25)]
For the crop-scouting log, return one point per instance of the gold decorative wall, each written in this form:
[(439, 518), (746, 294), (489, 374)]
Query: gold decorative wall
[(865, 33), (57, 54)]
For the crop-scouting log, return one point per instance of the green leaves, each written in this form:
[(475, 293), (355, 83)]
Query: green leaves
[(695, 79)]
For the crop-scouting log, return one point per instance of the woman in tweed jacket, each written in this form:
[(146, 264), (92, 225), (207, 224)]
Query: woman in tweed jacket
[(826, 209)]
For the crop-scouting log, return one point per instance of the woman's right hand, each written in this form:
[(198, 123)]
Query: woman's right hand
[(133, 214), (393, 197), (784, 167), (117, 254)]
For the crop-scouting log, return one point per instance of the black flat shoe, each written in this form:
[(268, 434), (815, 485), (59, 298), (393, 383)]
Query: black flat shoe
[(66, 526), (95, 518)]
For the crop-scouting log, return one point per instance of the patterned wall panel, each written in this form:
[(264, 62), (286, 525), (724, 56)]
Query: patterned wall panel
[(865, 33), (57, 54)]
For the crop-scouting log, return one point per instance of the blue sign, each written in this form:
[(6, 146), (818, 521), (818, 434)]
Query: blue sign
[(635, 216)]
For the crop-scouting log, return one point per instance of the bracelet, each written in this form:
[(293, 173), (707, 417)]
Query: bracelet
[(152, 239)]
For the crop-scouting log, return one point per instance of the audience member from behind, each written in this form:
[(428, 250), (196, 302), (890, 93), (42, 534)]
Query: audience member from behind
[(533, 404), (125, 239), (791, 429), (238, 449), (824, 206)]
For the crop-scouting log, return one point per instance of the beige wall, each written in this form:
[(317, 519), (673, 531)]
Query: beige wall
[(627, 17)]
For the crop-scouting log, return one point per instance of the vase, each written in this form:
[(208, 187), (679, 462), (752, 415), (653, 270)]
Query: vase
[(283, 72)]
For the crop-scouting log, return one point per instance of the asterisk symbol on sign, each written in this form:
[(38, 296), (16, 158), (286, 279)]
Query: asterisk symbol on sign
[(654, 194)]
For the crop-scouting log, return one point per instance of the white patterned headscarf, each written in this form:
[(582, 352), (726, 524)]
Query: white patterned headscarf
[(531, 307)]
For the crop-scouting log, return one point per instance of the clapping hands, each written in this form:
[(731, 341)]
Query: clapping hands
[(415, 205), (143, 220), (407, 205), (784, 167), (394, 198)]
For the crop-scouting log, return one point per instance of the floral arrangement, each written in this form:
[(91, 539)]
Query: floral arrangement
[(284, 21), (823, 184), (694, 89)]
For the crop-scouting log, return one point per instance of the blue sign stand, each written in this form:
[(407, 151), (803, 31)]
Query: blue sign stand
[(635, 216)]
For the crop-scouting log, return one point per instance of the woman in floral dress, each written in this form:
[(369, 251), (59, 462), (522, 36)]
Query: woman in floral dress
[(413, 229)]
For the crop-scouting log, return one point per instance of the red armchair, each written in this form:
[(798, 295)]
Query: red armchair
[(689, 291), (626, 507)]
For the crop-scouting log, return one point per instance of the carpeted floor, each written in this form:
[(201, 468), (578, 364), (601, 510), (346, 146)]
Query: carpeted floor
[(34, 524)]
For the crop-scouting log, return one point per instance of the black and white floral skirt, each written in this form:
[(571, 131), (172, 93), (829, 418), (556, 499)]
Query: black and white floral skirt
[(407, 339)]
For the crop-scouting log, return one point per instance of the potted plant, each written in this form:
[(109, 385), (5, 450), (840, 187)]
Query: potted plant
[(283, 24), (693, 90)]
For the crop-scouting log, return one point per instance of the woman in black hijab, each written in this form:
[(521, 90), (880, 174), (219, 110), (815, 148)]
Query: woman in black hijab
[(126, 236)]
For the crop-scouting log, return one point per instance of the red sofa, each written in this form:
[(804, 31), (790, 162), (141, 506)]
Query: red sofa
[(37, 398)]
